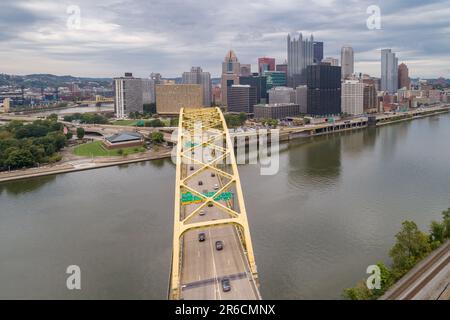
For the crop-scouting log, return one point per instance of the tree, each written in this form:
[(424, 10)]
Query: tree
[(437, 232), (53, 117), (157, 137), (412, 245), (80, 133), (19, 158), (69, 135), (174, 122)]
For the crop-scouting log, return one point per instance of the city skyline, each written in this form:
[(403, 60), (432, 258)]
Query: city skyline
[(115, 36)]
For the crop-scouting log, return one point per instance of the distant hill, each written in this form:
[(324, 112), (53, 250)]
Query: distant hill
[(50, 80)]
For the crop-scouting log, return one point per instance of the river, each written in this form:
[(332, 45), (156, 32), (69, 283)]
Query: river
[(332, 210)]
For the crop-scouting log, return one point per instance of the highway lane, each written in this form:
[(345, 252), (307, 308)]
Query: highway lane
[(203, 266)]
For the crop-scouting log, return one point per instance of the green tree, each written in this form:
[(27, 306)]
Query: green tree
[(69, 135), (174, 122), (80, 133), (157, 137), (53, 117), (19, 158), (437, 232), (412, 245)]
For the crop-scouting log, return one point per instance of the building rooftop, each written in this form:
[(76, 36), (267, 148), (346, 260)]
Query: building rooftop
[(124, 137)]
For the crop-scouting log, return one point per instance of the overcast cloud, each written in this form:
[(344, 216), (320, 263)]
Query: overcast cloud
[(170, 36)]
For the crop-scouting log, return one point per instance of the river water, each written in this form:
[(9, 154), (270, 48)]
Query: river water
[(332, 210)]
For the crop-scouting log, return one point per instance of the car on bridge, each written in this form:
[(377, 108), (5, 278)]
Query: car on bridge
[(219, 245), (226, 285)]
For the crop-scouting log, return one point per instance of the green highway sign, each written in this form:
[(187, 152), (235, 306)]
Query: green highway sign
[(189, 198)]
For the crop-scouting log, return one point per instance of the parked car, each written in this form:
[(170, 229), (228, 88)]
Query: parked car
[(192, 168), (219, 245), (201, 237), (202, 212), (226, 285), (216, 187), (213, 174), (210, 205), (200, 183)]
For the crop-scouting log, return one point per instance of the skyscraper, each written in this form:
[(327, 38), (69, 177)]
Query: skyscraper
[(324, 90), (300, 54), (259, 82), (266, 64), (246, 70), (403, 77), (331, 61), (197, 76), (241, 98), (389, 71), (318, 51), (231, 69), (347, 62), (130, 94), (353, 97)]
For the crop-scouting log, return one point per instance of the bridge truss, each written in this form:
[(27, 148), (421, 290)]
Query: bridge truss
[(204, 141)]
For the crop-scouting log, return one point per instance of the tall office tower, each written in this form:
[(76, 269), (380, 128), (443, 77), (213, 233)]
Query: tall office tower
[(282, 67), (197, 76), (370, 98), (241, 98), (281, 95), (231, 69), (352, 97), (347, 62), (266, 64), (130, 94), (403, 77), (260, 83), (301, 98), (155, 78), (300, 54), (246, 70), (318, 51), (331, 61), (170, 98), (275, 79), (389, 71), (324, 90), (147, 94)]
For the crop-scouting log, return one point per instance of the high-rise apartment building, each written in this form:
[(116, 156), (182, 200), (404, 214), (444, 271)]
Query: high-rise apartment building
[(352, 97), (300, 53), (318, 51), (130, 94), (324, 90), (241, 98), (170, 98), (266, 64), (347, 62), (231, 69), (389, 71), (403, 77), (197, 76)]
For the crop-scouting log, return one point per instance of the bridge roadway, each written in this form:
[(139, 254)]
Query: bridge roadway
[(203, 267)]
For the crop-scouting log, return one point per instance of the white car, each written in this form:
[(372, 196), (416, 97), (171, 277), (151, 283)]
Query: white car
[(216, 187), (202, 212)]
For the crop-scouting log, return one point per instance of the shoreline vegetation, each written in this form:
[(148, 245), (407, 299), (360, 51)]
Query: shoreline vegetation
[(411, 247)]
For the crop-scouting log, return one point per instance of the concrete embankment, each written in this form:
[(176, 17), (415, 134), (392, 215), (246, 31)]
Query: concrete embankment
[(68, 167)]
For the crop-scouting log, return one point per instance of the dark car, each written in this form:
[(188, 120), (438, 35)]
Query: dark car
[(213, 174), (200, 183), (210, 205), (219, 245), (201, 237), (192, 168), (226, 285)]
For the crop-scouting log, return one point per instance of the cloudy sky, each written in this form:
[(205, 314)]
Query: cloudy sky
[(170, 36)]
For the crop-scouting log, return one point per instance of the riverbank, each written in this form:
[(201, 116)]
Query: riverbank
[(82, 165)]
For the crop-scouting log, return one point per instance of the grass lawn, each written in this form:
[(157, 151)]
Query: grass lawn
[(97, 149)]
